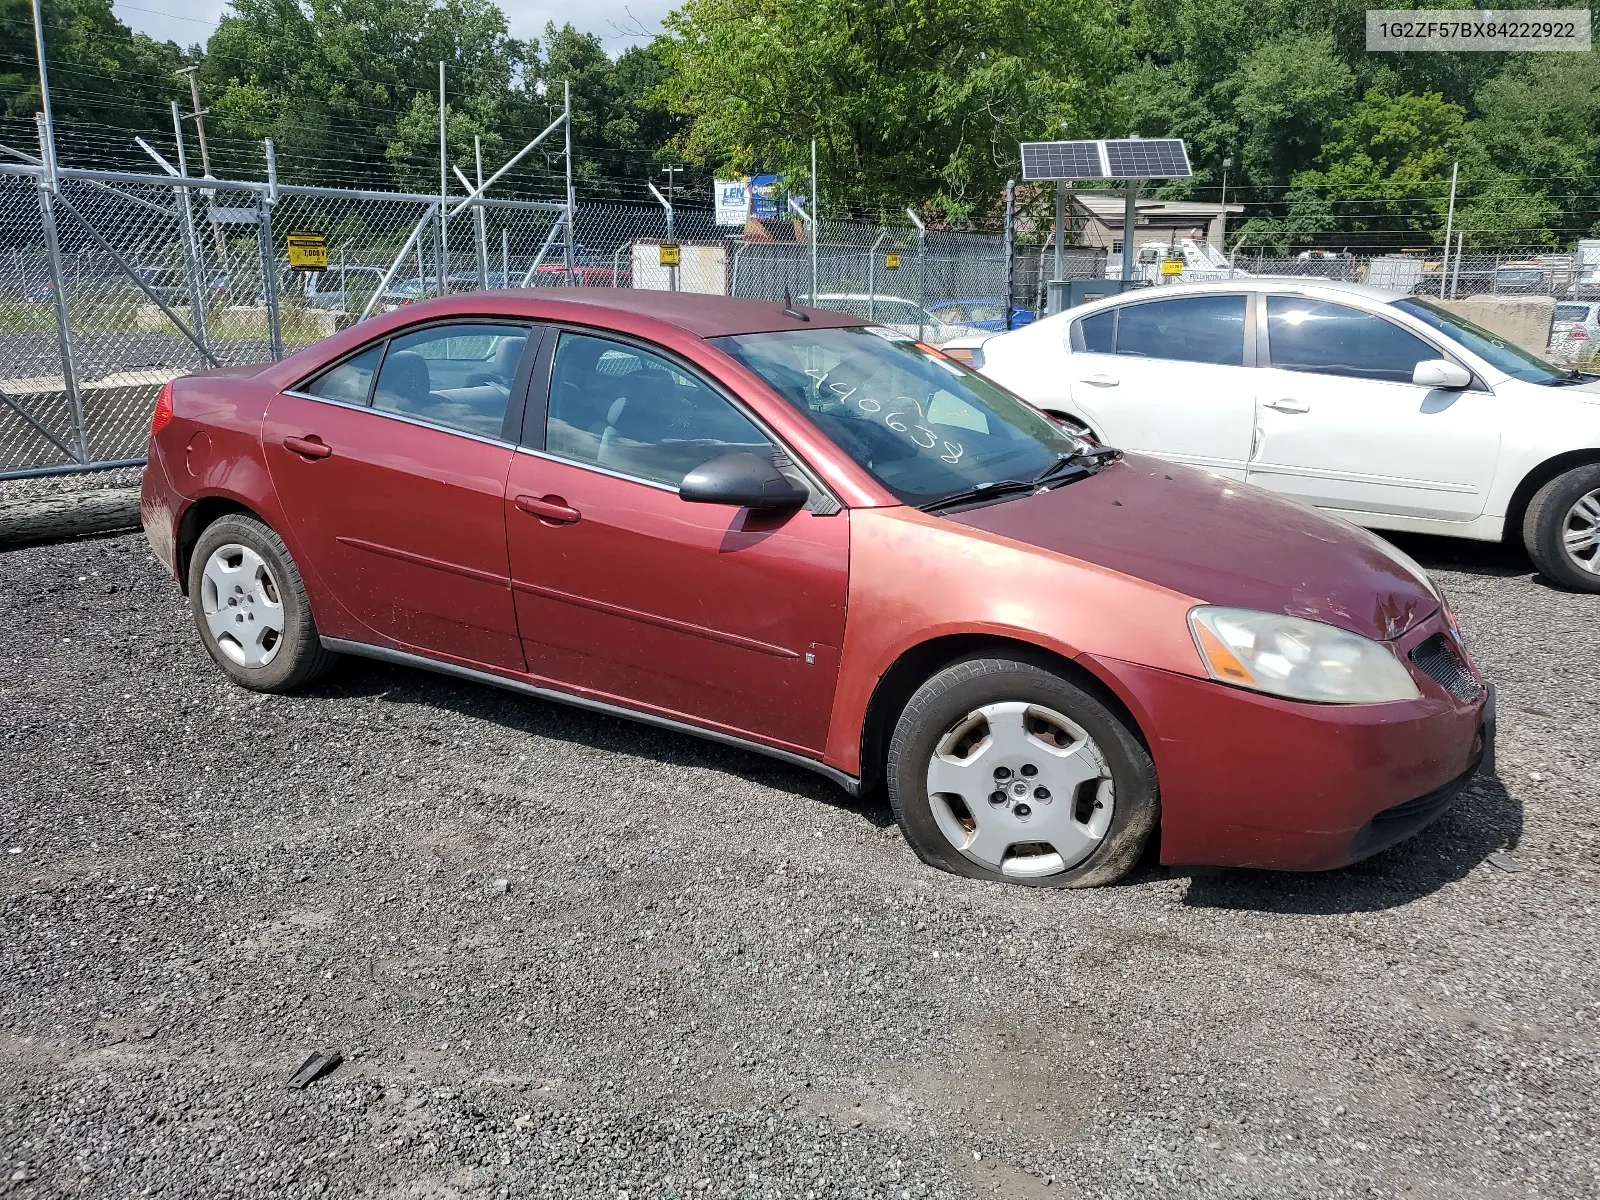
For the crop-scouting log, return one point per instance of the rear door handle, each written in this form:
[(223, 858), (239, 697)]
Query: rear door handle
[(310, 446), (552, 509), (1101, 381), (1288, 405)]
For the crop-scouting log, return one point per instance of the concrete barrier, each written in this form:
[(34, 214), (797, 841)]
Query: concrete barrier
[(1522, 320)]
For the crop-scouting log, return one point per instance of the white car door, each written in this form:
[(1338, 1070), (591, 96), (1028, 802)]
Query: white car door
[(1342, 426), (1170, 377)]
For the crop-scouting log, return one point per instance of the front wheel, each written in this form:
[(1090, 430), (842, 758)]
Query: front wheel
[(1000, 769), (1562, 529), (250, 607)]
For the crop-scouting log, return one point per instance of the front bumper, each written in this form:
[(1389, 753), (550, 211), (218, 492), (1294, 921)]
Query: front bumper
[(1249, 780)]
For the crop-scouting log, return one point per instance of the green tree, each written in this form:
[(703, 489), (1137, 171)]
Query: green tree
[(919, 101)]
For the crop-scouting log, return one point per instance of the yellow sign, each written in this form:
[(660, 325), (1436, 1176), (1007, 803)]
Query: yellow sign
[(1172, 266), (308, 252), (669, 254), (891, 262)]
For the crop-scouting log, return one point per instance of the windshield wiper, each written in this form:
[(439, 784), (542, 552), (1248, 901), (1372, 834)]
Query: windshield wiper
[(992, 490), (1087, 461)]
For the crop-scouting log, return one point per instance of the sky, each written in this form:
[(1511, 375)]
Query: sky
[(618, 23)]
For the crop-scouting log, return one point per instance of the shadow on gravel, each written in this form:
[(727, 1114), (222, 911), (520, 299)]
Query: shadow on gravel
[(1484, 819), (613, 735), (1501, 560)]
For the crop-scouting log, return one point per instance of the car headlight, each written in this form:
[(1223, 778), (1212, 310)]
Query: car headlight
[(1296, 658)]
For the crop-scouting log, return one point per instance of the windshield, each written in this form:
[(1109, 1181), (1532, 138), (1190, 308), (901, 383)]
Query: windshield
[(923, 425), (1492, 348)]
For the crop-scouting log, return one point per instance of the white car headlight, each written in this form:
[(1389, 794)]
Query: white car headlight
[(1297, 658)]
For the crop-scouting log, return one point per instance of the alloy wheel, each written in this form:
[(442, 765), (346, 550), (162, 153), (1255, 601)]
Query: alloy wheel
[(243, 605), (1021, 789), (1580, 533)]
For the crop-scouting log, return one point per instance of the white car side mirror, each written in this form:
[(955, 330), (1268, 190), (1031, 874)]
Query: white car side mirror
[(1440, 373)]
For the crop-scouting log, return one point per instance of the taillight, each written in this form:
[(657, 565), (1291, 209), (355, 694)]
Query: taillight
[(1577, 334), (162, 417)]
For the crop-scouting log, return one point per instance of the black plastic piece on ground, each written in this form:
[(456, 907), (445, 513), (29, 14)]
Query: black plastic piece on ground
[(314, 1068)]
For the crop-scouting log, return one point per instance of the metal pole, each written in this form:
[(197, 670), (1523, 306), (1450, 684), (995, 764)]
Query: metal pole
[(1455, 279), (414, 238), (572, 275), (44, 91), (872, 275), (1059, 234), (1449, 225), (193, 264), (1130, 220), (52, 245), (440, 250), (922, 269), (269, 279), (505, 257), (816, 217), (1011, 237), (672, 272), (483, 218)]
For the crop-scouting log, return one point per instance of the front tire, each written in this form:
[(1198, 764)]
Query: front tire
[(1562, 529), (250, 606), (1000, 769)]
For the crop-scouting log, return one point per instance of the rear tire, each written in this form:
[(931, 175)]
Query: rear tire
[(1561, 529), (250, 606), (1003, 770)]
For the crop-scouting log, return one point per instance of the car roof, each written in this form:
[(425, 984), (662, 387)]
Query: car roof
[(1331, 288), (700, 315)]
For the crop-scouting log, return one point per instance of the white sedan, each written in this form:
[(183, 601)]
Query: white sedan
[(1383, 408)]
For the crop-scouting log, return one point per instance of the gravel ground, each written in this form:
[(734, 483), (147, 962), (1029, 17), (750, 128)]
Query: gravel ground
[(567, 956)]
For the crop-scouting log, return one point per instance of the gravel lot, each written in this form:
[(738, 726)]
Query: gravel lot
[(706, 974)]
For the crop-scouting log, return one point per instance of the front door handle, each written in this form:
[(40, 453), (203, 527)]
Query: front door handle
[(1101, 381), (550, 509), (310, 446), (1288, 405)]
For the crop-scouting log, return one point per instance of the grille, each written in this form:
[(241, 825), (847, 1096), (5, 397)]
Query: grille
[(1440, 660)]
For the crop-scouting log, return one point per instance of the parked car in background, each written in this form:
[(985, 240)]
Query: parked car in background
[(1575, 330), (988, 315), (822, 541), (342, 289), (1521, 279), (904, 316), (1388, 410)]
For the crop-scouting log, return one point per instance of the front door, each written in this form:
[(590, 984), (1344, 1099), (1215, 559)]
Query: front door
[(721, 616), (394, 489), (1341, 425), (1168, 377)]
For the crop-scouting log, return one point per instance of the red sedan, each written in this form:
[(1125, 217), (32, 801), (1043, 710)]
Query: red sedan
[(790, 531)]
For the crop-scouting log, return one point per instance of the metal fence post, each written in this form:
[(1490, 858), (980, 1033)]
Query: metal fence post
[(269, 277), (193, 264), (52, 245), (922, 270), (1011, 247)]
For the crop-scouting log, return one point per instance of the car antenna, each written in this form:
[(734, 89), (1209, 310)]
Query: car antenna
[(789, 310)]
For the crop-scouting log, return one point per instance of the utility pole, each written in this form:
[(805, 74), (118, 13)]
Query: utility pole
[(669, 172), (199, 115), (1449, 227)]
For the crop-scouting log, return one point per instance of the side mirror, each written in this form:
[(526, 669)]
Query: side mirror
[(745, 480), (1440, 373)]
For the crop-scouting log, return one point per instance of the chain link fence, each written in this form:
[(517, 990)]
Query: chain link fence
[(113, 283)]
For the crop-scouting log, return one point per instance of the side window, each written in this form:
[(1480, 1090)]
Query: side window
[(351, 381), (1095, 333), (1202, 329), (458, 376), (633, 412), (1334, 339)]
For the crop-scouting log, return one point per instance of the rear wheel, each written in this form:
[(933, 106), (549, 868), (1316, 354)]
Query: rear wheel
[(1562, 529), (1000, 769), (250, 606)]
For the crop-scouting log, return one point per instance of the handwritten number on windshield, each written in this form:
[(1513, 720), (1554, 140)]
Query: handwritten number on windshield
[(950, 452)]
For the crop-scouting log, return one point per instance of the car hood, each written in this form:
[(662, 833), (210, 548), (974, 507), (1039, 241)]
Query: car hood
[(1221, 542)]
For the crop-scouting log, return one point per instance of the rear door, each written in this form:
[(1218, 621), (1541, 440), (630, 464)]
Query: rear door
[(717, 615), (1170, 377), (1342, 426), (391, 468)]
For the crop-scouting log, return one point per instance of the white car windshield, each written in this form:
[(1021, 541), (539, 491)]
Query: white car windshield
[(925, 426), (1492, 348)]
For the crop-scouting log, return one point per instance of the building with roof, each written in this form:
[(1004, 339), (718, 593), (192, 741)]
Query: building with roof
[(1097, 218)]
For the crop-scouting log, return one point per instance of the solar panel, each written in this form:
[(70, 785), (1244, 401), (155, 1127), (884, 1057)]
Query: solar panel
[(1062, 160), (1147, 158)]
